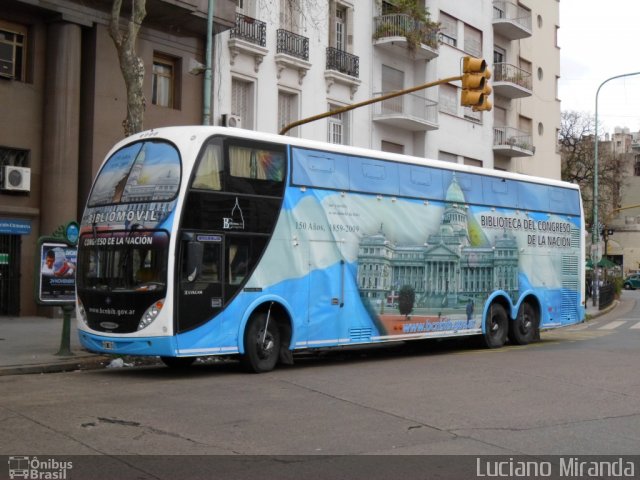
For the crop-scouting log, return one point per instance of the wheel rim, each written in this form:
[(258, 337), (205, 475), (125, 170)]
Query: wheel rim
[(265, 344)]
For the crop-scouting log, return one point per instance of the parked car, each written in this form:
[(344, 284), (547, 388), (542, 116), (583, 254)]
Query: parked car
[(632, 282)]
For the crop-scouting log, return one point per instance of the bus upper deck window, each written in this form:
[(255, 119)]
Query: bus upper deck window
[(256, 164), (209, 170)]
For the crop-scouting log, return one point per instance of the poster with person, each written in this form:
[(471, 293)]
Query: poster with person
[(57, 273)]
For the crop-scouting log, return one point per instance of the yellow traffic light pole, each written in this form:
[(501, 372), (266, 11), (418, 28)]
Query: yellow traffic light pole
[(353, 106), (472, 67)]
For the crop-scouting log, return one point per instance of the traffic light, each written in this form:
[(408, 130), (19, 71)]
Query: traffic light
[(475, 84)]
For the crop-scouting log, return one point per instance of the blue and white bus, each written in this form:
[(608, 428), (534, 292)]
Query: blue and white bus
[(200, 241)]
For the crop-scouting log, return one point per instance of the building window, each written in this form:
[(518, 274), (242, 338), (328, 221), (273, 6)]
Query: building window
[(338, 127), (499, 54), (392, 147), (164, 81), (392, 80), (13, 41), (242, 101), (525, 65), (448, 99), (472, 162), (290, 15), (341, 27), (636, 167), (472, 41), (14, 157), (287, 111), (447, 157), (448, 30)]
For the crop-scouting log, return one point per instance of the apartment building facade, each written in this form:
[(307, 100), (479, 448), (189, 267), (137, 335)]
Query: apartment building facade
[(291, 59), (275, 61)]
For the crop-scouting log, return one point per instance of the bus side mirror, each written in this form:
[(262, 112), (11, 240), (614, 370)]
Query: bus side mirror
[(194, 260)]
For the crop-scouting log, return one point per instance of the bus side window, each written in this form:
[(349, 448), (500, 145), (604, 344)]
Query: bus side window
[(238, 262), (211, 263)]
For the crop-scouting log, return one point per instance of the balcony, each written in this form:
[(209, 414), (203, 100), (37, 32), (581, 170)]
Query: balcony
[(511, 20), (399, 34), (410, 112), (511, 81), (512, 142), (343, 68), (249, 37), (292, 52)]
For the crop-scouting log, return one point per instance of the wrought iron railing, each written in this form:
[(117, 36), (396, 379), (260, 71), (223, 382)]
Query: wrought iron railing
[(408, 105), (250, 29), (343, 62), (293, 44), (504, 10), (402, 25), (505, 72), (512, 137)]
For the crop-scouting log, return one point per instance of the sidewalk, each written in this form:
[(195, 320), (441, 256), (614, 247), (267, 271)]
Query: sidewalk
[(30, 345)]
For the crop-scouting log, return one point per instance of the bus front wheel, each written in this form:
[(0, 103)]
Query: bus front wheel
[(261, 344), (497, 326)]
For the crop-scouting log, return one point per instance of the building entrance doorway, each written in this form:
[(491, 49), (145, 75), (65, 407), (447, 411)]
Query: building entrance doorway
[(10, 275)]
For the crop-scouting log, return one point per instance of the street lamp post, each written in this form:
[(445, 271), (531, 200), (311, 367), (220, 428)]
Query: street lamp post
[(595, 233)]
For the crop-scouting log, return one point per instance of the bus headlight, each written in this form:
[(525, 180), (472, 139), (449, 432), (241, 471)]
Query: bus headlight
[(81, 311), (150, 314)]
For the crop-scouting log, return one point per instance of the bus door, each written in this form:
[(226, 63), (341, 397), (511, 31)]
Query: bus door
[(200, 289), (326, 321)]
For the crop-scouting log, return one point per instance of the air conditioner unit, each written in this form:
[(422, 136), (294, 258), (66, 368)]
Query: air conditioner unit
[(230, 120), (16, 178)]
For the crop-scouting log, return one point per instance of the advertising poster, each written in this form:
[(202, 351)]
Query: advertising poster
[(57, 273)]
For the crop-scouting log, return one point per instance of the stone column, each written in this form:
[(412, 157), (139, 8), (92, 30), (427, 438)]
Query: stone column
[(59, 202)]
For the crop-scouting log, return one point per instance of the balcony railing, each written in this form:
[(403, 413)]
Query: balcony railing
[(511, 19), (343, 62), (293, 44), (504, 10), (250, 30), (402, 25), (510, 138), (411, 111), (504, 72)]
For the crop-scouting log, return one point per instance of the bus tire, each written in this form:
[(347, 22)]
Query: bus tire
[(178, 362), (497, 326), (261, 349), (523, 329)]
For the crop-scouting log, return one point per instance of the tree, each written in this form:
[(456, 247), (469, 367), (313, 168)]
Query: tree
[(576, 140), (406, 299), (131, 65)]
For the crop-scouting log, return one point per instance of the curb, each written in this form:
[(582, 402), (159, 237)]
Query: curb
[(67, 365), (604, 311)]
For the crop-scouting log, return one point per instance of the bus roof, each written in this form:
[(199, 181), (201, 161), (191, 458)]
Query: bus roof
[(178, 134)]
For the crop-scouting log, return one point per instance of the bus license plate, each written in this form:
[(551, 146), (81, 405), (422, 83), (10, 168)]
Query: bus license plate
[(108, 345)]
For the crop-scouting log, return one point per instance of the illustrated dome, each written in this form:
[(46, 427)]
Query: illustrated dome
[(454, 192)]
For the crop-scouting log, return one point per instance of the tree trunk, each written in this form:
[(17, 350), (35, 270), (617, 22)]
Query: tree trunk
[(131, 65)]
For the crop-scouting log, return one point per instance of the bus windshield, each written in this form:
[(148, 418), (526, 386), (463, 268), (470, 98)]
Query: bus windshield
[(124, 261), (141, 172)]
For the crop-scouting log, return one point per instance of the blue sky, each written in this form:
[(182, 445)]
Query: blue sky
[(599, 40)]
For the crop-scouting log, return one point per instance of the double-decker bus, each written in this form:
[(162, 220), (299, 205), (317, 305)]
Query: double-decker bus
[(200, 241)]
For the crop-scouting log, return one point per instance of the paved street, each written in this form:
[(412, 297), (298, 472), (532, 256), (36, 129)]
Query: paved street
[(576, 392)]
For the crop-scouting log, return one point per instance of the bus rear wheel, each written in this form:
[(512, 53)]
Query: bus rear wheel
[(497, 326), (178, 362), (261, 344), (523, 329)]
